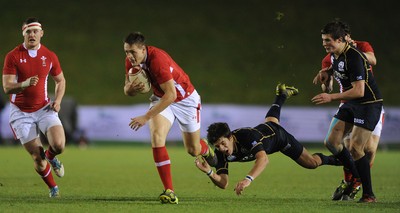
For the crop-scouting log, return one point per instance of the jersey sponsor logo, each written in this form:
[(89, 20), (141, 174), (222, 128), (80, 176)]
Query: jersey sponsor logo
[(339, 75), (254, 143), (43, 60), (358, 120), (22, 60), (359, 77)]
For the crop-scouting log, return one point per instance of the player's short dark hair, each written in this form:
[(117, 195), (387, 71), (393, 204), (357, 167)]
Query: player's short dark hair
[(346, 28), (336, 29), (218, 130), (135, 38), (31, 20)]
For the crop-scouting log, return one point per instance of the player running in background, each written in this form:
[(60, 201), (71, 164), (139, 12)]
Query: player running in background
[(25, 73), (174, 98), (359, 114), (372, 144), (249, 144)]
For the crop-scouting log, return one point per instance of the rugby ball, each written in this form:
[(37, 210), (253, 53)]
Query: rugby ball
[(137, 75)]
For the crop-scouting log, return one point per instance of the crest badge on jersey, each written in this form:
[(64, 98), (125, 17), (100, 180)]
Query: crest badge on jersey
[(341, 66), (43, 60), (231, 157)]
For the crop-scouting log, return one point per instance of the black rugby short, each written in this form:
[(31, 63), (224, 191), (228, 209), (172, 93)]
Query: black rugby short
[(362, 115), (288, 144)]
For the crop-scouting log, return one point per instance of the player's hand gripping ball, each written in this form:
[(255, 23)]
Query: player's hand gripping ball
[(138, 76)]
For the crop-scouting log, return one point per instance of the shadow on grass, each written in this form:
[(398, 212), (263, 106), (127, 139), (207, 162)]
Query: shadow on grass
[(206, 201)]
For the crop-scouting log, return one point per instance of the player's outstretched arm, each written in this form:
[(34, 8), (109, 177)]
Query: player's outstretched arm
[(259, 166), (219, 180)]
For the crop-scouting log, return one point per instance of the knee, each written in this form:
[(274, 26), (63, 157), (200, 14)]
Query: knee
[(193, 149), (192, 152), (58, 147), (332, 147), (356, 152)]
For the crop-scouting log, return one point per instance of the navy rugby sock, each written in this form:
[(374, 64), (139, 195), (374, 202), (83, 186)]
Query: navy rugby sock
[(329, 160), (275, 110), (348, 162), (364, 169)]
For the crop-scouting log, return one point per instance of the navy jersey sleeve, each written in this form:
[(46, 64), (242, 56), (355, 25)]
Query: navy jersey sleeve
[(357, 65), (252, 141), (222, 165)]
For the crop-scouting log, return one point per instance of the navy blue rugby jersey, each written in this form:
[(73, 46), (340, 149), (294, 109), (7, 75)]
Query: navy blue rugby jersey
[(352, 66), (249, 141)]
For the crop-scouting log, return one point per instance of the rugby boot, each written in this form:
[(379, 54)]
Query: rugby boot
[(168, 197), (54, 192), (287, 91), (367, 199)]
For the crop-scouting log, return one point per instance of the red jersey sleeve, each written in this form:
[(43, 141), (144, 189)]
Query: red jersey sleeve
[(128, 65), (56, 67), (364, 46), (326, 61), (9, 67)]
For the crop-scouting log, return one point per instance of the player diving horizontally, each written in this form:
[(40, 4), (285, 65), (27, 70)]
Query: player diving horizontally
[(248, 144)]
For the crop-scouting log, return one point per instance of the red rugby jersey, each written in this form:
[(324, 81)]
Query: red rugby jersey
[(27, 63), (160, 67)]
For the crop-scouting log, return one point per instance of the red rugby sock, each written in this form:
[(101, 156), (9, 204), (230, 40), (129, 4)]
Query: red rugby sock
[(163, 165), (49, 154), (47, 176), (204, 147)]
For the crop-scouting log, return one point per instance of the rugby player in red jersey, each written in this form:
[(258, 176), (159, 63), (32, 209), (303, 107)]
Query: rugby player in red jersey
[(174, 98), (25, 73)]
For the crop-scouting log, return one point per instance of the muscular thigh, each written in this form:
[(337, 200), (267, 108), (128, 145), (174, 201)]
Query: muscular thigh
[(338, 129), (191, 142), (372, 144), (358, 140), (35, 148), (159, 128)]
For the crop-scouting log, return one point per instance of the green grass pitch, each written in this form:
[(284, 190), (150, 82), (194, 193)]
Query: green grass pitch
[(124, 179)]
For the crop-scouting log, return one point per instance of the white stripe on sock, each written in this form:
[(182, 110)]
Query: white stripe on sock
[(163, 163)]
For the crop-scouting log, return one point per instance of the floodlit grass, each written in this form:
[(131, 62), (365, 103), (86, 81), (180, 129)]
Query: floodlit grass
[(124, 179)]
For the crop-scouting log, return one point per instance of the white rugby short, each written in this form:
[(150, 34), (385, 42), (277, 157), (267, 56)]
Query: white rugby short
[(186, 112), (378, 128), (26, 125)]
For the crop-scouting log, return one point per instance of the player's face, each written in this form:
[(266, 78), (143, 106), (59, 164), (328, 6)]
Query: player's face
[(32, 38), (224, 145), (331, 45), (134, 53)]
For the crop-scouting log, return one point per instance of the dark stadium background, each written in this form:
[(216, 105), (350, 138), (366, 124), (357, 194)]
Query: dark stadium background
[(234, 51)]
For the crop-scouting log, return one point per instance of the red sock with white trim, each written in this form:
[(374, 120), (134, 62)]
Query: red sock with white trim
[(163, 165), (50, 154), (47, 176)]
